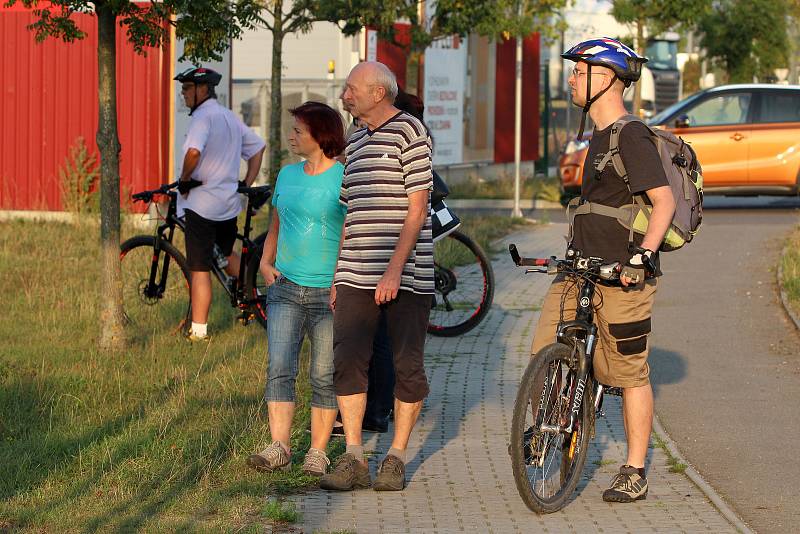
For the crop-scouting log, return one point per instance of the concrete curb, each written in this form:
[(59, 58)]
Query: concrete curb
[(137, 220), (784, 298), (491, 203), (698, 480)]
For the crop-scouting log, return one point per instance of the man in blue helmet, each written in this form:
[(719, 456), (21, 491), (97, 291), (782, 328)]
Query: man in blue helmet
[(215, 143), (603, 69)]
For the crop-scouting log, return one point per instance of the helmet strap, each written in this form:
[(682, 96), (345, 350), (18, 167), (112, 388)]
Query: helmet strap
[(590, 101), (198, 104)]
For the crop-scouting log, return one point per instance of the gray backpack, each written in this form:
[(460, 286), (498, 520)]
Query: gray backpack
[(685, 177)]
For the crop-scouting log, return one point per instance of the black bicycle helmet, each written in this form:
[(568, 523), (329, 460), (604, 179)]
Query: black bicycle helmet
[(200, 75)]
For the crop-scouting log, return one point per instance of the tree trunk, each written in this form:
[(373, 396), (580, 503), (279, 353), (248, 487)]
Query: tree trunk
[(111, 321), (637, 88), (276, 97)]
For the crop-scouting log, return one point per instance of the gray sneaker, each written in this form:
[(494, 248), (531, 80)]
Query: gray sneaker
[(316, 463), (348, 474), (391, 474), (271, 459), (627, 486)]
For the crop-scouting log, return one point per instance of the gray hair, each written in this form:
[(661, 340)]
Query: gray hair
[(385, 78)]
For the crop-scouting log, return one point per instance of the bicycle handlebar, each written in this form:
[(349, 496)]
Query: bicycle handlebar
[(573, 263), (262, 191)]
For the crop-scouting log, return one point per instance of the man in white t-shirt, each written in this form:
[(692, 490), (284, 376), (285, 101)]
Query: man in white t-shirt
[(216, 140)]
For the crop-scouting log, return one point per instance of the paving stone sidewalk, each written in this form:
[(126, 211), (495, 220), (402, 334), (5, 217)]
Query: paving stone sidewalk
[(459, 469)]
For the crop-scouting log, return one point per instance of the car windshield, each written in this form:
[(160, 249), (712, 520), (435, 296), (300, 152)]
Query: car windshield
[(659, 118)]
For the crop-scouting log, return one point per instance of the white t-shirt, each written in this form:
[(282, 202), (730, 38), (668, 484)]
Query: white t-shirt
[(222, 139)]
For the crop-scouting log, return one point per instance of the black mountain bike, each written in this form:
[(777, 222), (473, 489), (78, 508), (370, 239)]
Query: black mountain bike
[(464, 285), (558, 398), (155, 276)]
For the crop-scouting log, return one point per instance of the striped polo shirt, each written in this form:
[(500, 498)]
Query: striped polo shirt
[(382, 167)]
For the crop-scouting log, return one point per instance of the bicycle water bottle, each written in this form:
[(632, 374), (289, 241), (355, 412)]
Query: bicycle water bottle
[(219, 258)]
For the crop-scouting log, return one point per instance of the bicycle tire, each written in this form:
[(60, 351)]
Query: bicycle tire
[(550, 366), (463, 272), (150, 314), (255, 288)]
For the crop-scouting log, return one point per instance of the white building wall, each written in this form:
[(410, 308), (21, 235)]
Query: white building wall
[(305, 55)]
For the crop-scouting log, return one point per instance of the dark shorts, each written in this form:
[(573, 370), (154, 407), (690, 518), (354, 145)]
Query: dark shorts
[(355, 322), (201, 234)]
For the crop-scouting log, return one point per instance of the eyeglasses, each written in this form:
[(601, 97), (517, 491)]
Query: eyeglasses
[(577, 73)]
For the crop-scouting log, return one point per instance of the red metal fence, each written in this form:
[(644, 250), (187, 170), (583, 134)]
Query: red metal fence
[(48, 99)]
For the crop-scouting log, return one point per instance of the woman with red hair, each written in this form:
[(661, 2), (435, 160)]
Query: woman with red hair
[(298, 263)]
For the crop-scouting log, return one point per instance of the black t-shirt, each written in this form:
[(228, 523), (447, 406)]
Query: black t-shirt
[(601, 236)]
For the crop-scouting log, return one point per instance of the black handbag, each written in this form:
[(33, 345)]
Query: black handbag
[(440, 190), (443, 219)]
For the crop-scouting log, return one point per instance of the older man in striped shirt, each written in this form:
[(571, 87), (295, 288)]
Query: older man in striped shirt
[(385, 263)]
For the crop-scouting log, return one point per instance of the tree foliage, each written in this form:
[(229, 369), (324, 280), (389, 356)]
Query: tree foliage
[(747, 38), (659, 15), (207, 26), (500, 18)]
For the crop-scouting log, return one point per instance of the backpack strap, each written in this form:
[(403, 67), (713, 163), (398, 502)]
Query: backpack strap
[(615, 156)]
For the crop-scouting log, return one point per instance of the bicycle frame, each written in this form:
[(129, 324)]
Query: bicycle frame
[(233, 286), (579, 333)]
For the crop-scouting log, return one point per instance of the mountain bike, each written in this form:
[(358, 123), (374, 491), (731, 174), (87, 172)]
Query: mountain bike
[(155, 275), (558, 398), (464, 285)]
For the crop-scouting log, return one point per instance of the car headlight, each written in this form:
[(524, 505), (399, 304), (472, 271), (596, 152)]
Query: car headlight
[(575, 146)]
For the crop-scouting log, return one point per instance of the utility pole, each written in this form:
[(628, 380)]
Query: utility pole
[(517, 212)]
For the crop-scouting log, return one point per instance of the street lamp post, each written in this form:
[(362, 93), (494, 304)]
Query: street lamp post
[(517, 212)]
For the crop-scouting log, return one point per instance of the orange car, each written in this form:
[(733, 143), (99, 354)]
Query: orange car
[(747, 138)]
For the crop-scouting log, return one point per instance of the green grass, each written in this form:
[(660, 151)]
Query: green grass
[(675, 466), (280, 512), (153, 439), (484, 230), (791, 270), (503, 188), (603, 463)]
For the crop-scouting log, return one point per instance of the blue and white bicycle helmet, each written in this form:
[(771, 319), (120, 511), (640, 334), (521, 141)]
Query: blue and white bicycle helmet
[(606, 52), (610, 53)]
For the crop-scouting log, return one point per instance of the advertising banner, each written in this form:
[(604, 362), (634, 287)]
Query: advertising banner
[(445, 82)]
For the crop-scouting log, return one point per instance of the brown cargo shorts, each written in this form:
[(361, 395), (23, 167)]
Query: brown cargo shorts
[(622, 315)]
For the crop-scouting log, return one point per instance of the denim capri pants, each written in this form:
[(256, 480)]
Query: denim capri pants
[(294, 311)]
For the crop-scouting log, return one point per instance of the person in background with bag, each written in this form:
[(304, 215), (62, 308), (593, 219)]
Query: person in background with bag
[(603, 69), (298, 264)]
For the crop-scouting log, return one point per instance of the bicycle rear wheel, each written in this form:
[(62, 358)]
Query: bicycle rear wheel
[(548, 465), (464, 286), (155, 286), (256, 287)]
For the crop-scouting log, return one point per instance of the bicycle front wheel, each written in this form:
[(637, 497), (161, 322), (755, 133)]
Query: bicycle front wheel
[(464, 286), (155, 286), (547, 463)]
